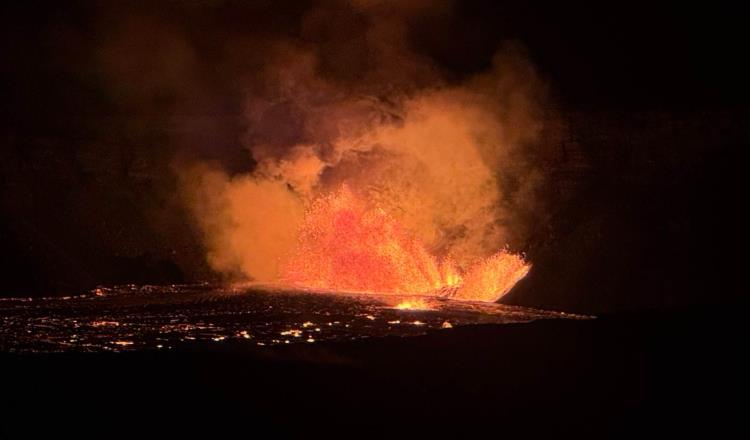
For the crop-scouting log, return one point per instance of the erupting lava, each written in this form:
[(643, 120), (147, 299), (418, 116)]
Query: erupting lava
[(346, 245), (412, 304)]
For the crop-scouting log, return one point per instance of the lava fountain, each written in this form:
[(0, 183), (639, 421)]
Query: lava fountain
[(345, 244)]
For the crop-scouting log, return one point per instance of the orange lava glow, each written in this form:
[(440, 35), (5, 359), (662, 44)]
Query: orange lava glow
[(412, 304), (493, 277), (345, 244)]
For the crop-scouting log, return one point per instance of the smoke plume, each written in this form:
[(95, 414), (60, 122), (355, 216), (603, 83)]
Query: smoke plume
[(358, 108)]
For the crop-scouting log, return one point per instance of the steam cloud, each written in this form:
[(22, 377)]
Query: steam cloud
[(359, 108)]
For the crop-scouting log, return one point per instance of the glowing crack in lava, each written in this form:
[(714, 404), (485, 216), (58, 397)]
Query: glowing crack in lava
[(346, 245)]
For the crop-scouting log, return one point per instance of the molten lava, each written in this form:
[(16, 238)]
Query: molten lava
[(413, 304), (345, 244), (490, 279)]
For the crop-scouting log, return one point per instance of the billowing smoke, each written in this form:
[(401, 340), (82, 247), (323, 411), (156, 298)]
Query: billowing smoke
[(359, 109)]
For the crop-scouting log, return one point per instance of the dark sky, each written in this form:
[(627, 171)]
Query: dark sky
[(89, 90), (612, 54), (631, 53)]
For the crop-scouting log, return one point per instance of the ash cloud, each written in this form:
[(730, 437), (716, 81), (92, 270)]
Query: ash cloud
[(256, 111), (349, 102)]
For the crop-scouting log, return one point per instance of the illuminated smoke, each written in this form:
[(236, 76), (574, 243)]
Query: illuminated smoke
[(422, 164)]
